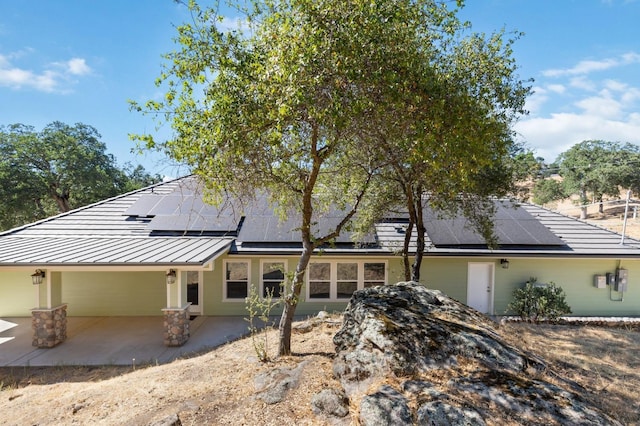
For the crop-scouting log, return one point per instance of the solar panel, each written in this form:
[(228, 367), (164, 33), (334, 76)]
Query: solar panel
[(143, 205), (513, 226), (194, 223)]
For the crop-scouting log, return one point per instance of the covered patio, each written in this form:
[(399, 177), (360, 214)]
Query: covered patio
[(113, 341)]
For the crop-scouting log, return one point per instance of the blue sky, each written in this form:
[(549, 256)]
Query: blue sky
[(81, 60)]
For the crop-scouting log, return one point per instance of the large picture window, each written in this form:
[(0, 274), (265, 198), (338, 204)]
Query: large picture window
[(272, 278), (337, 280), (236, 280)]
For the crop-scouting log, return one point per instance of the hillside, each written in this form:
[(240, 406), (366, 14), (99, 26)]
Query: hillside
[(219, 387)]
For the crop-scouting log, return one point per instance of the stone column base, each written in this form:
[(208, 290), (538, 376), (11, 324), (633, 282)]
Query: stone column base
[(176, 326), (49, 326)]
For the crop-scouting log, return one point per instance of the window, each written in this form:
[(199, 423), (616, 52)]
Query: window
[(272, 277), (319, 280), (346, 280), (374, 274), (236, 280), (337, 280)]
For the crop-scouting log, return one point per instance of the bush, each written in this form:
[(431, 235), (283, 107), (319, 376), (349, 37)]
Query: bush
[(539, 302)]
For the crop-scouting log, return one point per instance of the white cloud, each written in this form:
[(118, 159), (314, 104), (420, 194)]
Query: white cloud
[(51, 79), (550, 136), (556, 88), (78, 66), (600, 106), (582, 83), (589, 66), (536, 100)]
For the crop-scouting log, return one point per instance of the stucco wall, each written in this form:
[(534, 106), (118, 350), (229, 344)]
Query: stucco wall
[(144, 293), (576, 277), (114, 293), (17, 295)]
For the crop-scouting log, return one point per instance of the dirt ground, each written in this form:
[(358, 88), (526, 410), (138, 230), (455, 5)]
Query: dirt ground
[(218, 387)]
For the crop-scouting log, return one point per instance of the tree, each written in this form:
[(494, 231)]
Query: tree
[(448, 139), (55, 170), (594, 167), (547, 190), (299, 104)]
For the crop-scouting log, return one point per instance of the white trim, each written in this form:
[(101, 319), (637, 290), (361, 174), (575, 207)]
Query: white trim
[(262, 262), (178, 285), (48, 284), (333, 275), (224, 278)]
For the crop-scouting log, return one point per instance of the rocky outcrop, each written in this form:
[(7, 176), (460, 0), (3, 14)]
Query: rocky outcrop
[(413, 355)]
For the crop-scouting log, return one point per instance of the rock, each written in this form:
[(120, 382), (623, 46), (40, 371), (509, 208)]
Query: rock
[(438, 413), (302, 327), (172, 420), (330, 402), (273, 385), (421, 357), (387, 406)]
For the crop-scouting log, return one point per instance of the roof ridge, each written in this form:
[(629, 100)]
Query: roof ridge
[(88, 206)]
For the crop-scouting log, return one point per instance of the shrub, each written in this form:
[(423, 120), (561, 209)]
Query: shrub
[(539, 302), (259, 309)]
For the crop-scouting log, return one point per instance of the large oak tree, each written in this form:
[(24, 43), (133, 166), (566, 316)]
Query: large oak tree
[(57, 169)]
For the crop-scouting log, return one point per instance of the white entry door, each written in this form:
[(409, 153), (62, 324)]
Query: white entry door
[(480, 287), (194, 291)]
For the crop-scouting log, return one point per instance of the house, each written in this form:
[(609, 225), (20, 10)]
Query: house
[(163, 251)]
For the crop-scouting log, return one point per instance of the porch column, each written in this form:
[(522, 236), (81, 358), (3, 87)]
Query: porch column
[(176, 314), (49, 317)]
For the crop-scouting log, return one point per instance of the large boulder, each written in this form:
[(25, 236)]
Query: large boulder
[(406, 352)]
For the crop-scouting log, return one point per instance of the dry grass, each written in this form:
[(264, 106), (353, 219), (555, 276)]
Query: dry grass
[(602, 360), (218, 387)]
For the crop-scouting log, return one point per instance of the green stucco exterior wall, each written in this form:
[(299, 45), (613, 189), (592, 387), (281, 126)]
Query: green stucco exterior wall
[(93, 293), (114, 293), (17, 294)]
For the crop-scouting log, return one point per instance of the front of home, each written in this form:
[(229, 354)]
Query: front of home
[(163, 251)]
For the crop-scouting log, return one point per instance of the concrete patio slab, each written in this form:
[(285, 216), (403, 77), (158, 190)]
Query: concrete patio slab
[(113, 341)]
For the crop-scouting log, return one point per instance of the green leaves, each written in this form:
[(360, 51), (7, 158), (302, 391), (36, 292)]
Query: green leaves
[(599, 168), (55, 170)]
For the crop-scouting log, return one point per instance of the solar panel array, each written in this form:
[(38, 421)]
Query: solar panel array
[(514, 226), (184, 210)]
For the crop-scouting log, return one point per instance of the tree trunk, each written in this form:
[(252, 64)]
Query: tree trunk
[(417, 261), (583, 212), (583, 209), (291, 302), (405, 251)]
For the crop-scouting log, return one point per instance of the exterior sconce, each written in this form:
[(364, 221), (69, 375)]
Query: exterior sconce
[(504, 263), (37, 278), (171, 276)]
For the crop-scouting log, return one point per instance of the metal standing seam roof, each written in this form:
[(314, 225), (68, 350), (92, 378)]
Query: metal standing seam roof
[(101, 234), (121, 232)]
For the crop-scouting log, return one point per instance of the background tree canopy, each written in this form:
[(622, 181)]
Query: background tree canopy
[(335, 107), (593, 169), (58, 169)]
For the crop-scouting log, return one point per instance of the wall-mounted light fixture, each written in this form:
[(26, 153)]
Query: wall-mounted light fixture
[(504, 263), (171, 276), (37, 278)]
